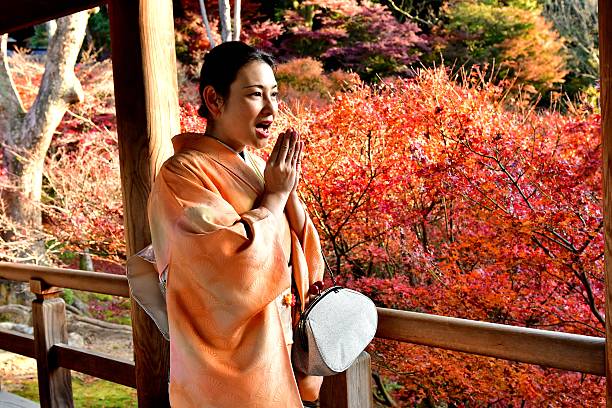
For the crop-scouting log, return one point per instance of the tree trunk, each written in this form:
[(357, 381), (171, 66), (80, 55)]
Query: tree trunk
[(225, 20), (27, 135), (237, 26), (211, 40)]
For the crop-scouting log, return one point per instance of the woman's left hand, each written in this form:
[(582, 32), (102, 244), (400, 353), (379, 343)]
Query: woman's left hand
[(297, 159)]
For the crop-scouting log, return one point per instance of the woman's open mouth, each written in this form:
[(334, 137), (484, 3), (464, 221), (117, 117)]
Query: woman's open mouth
[(262, 129)]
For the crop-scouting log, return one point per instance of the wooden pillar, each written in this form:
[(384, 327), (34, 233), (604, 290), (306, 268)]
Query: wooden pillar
[(605, 61), (350, 389), (49, 321), (146, 100)]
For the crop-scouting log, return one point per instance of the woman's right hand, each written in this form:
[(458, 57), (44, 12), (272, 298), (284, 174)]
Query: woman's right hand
[(281, 173)]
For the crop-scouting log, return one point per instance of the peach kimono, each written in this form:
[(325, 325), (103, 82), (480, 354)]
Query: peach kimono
[(227, 262)]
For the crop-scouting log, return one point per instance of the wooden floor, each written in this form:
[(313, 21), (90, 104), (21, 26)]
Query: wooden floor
[(8, 400)]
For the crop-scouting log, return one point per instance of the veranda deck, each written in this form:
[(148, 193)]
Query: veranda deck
[(8, 400)]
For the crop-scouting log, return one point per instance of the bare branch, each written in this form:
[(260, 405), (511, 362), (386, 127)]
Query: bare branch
[(237, 25), (211, 40), (225, 20)]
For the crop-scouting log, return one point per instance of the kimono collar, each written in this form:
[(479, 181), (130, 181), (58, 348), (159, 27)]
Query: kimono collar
[(222, 154)]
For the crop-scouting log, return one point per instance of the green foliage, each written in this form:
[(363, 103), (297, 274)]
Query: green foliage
[(101, 297), (40, 39), (90, 393), (99, 30), (577, 22), (68, 296), (521, 4), (514, 39)]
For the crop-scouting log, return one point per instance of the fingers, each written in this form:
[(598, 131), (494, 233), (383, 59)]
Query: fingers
[(274, 155), (297, 155), (287, 148)]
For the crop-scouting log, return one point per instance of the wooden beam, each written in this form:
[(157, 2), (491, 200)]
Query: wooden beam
[(146, 100), (98, 282), (15, 15), (17, 343), (547, 348), (605, 75), (96, 364)]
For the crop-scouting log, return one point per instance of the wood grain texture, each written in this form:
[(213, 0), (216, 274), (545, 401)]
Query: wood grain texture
[(350, 389), (54, 382), (15, 15), (98, 282), (146, 101), (605, 73), (96, 364), (547, 348), (17, 343)]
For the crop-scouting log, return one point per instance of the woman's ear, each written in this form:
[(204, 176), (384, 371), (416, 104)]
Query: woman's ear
[(213, 101)]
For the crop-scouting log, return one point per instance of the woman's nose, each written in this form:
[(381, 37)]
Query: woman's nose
[(270, 105)]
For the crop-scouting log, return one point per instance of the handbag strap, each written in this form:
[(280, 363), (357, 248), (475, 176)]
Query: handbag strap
[(331, 274)]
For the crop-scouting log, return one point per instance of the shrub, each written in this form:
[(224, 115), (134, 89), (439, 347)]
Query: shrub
[(364, 37), (576, 21), (303, 81), (437, 197), (518, 40)]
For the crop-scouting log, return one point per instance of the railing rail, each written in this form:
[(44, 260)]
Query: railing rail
[(546, 348), (98, 282), (566, 351)]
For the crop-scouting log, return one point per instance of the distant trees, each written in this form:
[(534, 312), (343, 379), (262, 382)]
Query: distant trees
[(26, 134), (228, 33), (576, 21)]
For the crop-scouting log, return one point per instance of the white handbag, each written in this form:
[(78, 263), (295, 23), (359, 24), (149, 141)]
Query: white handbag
[(333, 330)]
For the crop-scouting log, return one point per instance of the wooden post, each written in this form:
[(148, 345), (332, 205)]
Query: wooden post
[(605, 61), (350, 389), (49, 321), (146, 101)]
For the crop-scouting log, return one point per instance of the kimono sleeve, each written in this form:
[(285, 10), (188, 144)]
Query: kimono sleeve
[(233, 264)]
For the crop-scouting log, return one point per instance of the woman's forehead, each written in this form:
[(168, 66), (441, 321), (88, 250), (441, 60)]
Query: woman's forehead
[(256, 73)]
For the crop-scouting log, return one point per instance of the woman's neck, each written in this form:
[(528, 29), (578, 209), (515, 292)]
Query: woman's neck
[(215, 134)]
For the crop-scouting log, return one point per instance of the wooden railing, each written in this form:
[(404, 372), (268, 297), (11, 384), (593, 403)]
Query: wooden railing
[(351, 389)]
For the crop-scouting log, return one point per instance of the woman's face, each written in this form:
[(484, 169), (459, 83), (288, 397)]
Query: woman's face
[(250, 108)]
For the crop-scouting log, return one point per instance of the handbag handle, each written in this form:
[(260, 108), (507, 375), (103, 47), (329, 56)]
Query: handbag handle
[(317, 287), (331, 274)]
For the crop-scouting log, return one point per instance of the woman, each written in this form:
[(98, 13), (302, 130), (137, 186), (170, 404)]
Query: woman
[(230, 235)]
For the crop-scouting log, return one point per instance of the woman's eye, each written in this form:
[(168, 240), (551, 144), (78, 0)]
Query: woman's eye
[(256, 94), (275, 94)]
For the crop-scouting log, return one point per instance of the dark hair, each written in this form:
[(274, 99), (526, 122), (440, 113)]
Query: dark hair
[(221, 66)]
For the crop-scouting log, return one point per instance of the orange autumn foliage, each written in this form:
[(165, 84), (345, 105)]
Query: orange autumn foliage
[(442, 198)]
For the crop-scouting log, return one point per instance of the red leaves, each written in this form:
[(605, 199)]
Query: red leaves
[(436, 198)]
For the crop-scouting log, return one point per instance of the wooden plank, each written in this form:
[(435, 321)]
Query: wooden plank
[(96, 364), (8, 400), (146, 100), (98, 282), (49, 321), (547, 348), (18, 343), (15, 15), (605, 75), (350, 389)]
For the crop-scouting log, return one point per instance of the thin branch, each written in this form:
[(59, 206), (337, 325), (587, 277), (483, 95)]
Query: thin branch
[(237, 25), (211, 40)]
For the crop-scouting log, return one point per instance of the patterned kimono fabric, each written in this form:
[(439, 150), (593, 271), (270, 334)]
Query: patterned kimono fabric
[(227, 261)]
